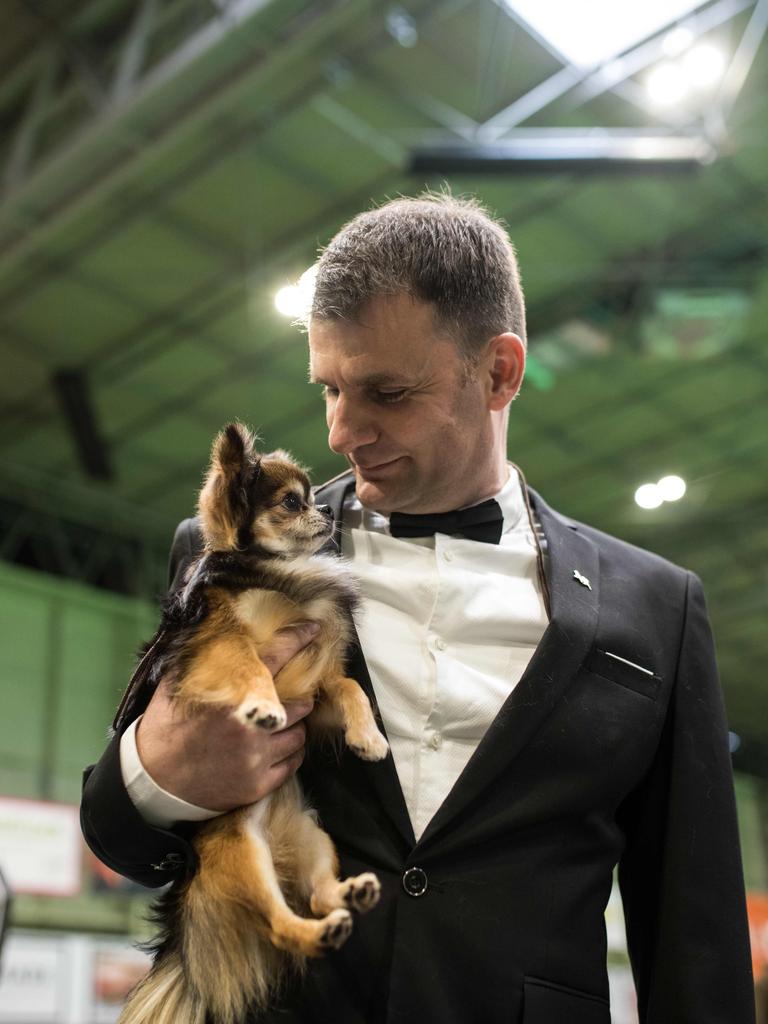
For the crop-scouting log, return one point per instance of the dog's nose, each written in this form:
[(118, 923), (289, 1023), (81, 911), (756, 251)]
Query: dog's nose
[(326, 510)]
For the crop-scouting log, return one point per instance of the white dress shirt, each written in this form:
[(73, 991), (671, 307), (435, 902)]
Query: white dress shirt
[(448, 626)]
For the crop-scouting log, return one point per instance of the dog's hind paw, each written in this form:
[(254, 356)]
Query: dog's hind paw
[(362, 892), (337, 927), (370, 747), (264, 714)]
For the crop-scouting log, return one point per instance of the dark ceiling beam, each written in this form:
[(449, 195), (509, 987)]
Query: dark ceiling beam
[(546, 151), (73, 391)]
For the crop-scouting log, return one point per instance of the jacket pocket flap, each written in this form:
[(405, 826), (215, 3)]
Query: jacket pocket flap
[(545, 1002)]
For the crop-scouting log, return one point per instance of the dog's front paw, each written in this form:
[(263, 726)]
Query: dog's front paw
[(370, 746), (265, 714), (337, 927), (362, 892)]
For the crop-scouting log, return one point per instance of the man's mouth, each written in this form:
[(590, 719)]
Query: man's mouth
[(376, 467)]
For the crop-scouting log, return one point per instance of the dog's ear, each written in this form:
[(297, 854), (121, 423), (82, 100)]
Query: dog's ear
[(225, 499)]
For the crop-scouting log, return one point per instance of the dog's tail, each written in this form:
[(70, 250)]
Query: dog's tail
[(212, 962), (163, 997), (222, 988)]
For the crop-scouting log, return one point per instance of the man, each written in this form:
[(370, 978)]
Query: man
[(549, 693)]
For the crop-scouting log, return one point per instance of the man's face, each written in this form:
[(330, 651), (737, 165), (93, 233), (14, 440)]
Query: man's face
[(398, 405)]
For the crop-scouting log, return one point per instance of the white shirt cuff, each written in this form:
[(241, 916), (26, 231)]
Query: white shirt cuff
[(156, 805)]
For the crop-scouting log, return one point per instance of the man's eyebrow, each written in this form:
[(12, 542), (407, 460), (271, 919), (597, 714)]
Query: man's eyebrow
[(371, 381)]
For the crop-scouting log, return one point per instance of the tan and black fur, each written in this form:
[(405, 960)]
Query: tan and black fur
[(266, 894)]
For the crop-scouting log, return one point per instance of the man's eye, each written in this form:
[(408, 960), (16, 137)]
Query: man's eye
[(292, 502), (329, 392), (390, 397)]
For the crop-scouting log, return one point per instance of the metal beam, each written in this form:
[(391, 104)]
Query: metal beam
[(23, 145), (134, 51), (743, 58), (126, 156), (550, 150), (586, 84)]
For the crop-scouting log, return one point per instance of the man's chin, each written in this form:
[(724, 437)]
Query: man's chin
[(371, 494), (378, 495)]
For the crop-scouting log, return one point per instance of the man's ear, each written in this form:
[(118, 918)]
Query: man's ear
[(505, 366)]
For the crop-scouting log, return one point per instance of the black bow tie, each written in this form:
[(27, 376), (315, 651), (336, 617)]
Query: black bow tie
[(482, 522)]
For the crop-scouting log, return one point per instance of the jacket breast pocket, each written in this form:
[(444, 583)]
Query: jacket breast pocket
[(618, 669), (545, 1002)]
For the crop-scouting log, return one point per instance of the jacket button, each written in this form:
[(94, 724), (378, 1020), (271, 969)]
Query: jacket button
[(415, 882)]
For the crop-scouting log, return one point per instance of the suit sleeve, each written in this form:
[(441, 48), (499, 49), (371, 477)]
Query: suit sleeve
[(111, 825), (680, 875)]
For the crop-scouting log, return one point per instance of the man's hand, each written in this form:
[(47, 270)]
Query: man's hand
[(209, 759)]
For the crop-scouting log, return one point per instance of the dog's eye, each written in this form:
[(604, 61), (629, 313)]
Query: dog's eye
[(292, 502)]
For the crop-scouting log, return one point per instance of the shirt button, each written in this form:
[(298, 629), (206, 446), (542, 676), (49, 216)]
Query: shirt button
[(415, 882), (440, 644), (447, 555), (436, 740)]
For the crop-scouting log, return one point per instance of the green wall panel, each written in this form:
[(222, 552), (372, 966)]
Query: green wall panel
[(66, 654), (24, 620)]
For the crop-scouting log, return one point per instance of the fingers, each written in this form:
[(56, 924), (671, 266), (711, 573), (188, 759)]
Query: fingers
[(296, 710), (286, 643), (282, 771), (212, 760), (287, 743)]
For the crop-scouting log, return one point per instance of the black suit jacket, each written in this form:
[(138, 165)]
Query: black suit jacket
[(591, 762)]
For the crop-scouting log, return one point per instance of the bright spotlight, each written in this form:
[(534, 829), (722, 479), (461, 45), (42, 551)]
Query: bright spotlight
[(671, 488), (648, 496), (295, 300), (703, 65), (666, 85), (286, 300), (676, 41)]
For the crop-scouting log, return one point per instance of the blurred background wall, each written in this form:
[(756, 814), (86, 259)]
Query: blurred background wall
[(169, 169)]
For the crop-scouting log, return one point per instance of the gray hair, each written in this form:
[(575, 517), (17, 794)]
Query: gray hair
[(437, 248)]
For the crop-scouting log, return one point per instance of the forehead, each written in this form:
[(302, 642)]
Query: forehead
[(391, 335), (283, 475)]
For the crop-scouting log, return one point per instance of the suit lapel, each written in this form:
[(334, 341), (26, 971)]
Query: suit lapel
[(381, 776), (556, 660)]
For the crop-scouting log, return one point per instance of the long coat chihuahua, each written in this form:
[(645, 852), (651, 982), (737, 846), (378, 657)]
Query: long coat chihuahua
[(266, 894)]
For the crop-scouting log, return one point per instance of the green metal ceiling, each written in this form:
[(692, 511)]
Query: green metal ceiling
[(168, 166)]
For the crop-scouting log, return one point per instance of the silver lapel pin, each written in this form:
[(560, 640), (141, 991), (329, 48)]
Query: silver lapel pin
[(582, 579)]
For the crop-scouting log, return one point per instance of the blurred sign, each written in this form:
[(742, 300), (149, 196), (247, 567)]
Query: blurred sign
[(67, 979), (40, 847), (116, 969), (757, 908), (33, 981)]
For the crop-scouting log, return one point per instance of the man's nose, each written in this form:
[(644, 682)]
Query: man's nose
[(349, 426)]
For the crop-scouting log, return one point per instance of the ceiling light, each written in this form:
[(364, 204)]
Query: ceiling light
[(402, 27), (667, 84), (703, 66), (593, 31), (648, 496), (295, 300), (676, 41), (671, 488)]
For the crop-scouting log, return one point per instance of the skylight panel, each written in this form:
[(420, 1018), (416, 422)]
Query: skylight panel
[(589, 32)]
